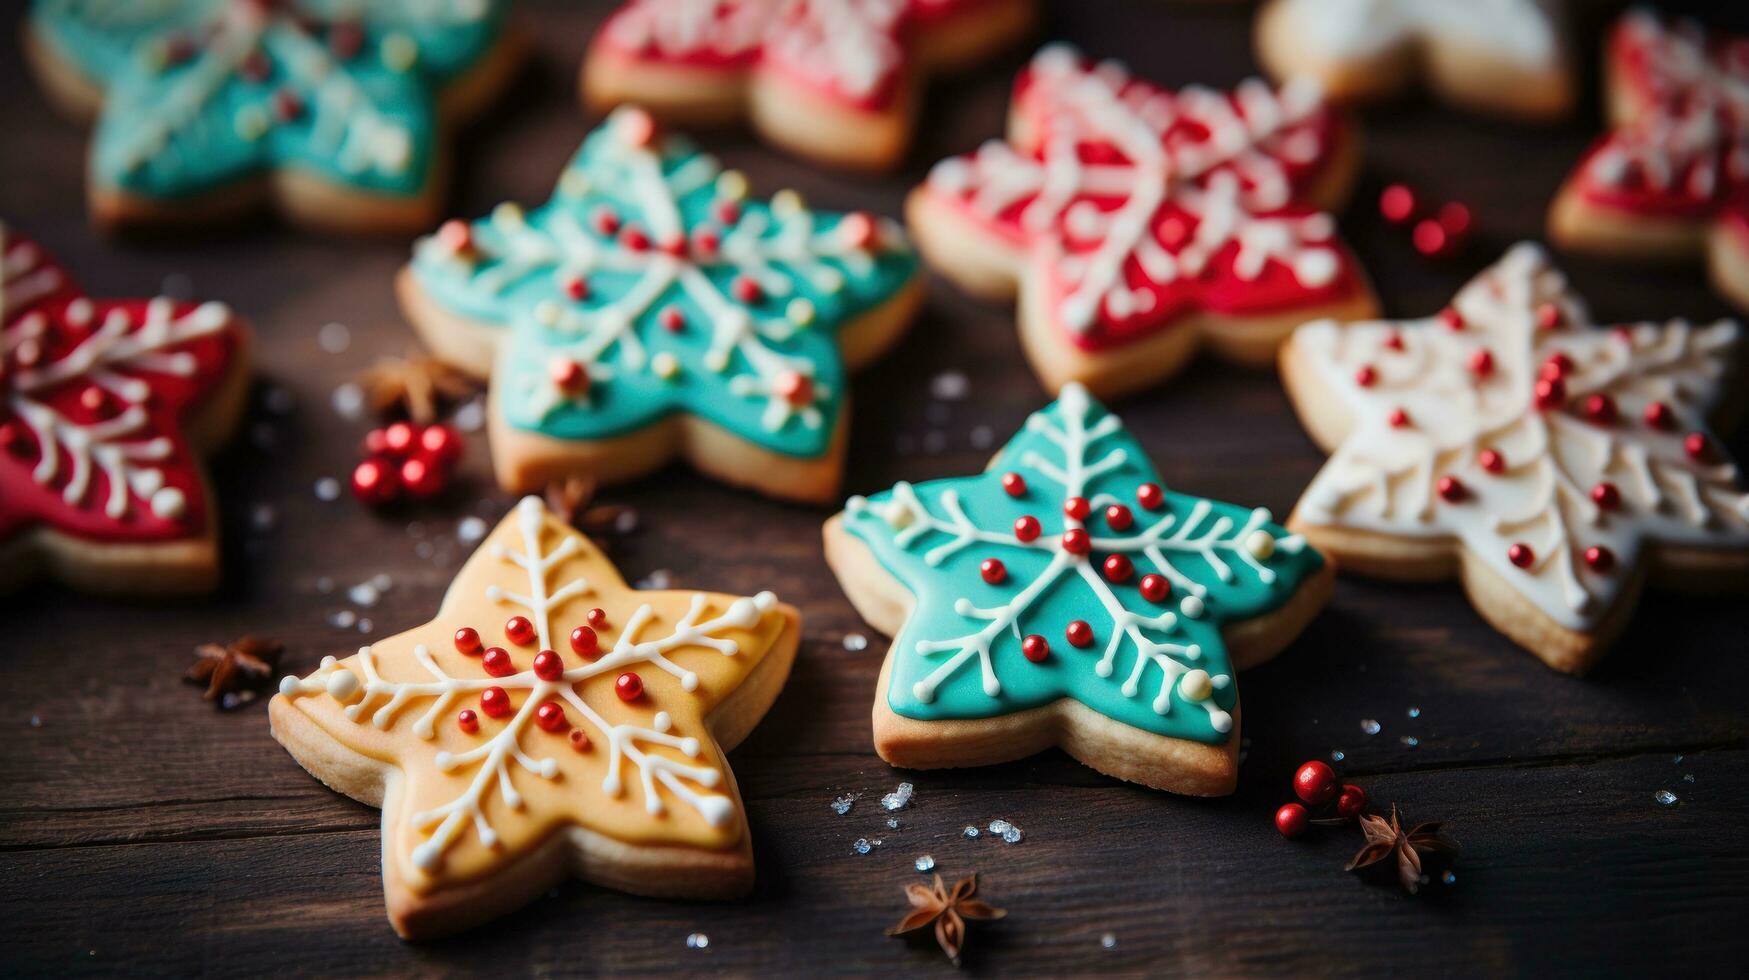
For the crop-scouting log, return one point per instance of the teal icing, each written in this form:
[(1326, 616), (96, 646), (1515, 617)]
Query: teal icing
[(516, 278), (175, 128), (1116, 465)]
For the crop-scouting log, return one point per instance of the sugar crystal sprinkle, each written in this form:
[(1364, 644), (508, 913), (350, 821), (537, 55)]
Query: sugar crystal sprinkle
[(697, 940), (855, 642), (1369, 726), (899, 798), (926, 864), (971, 831), (1665, 797)]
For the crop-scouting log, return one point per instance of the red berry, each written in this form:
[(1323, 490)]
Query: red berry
[(1394, 340), (494, 702), (467, 721), (1351, 802), (993, 571), (577, 288), (467, 640), (1556, 366), (1291, 820), (1492, 461), (633, 239), (745, 290), (1076, 542), (519, 630), (1155, 588), (1119, 568), (1548, 316), (548, 666), (1430, 238), (1315, 782), (1398, 418), (1035, 648), (674, 245), (441, 443), (1481, 362), (1455, 219), (496, 660), (1600, 409), (423, 477), (1451, 489), (1118, 517), (1366, 375), (1397, 204), (1014, 484), (596, 618), (1079, 633), (606, 220), (1076, 508), (551, 717), (579, 740), (1599, 559), (1521, 555), (1026, 528), (398, 438), (1452, 319), (584, 642), (628, 686), (375, 482), (1659, 416), (1150, 496), (1550, 393), (1606, 495), (672, 319), (1698, 447)]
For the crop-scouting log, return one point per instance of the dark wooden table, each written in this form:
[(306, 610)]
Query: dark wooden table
[(144, 832)]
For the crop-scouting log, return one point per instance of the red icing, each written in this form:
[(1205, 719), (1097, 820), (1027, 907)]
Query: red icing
[(1684, 151), (1218, 286), (61, 340)]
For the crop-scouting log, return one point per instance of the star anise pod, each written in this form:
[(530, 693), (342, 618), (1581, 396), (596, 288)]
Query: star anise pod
[(947, 910), (1386, 839), (234, 668), (572, 500), (416, 385)]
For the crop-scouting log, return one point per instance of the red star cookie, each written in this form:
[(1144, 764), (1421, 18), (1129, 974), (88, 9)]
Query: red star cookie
[(834, 80), (1138, 223), (105, 406), (1669, 180)]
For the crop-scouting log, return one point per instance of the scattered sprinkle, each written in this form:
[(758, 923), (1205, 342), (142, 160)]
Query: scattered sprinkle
[(950, 386), (661, 578), (862, 845), (900, 798), (365, 625), (842, 805), (1369, 726), (971, 831), (1012, 835), (855, 642), (1410, 741), (324, 585), (348, 401), (1109, 940), (263, 518), (1450, 877), (471, 417), (698, 940), (363, 594), (328, 489), (1688, 777), (1337, 755), (892, 823), (1414, 712), (1677, 760), (36, 721), (1665, 797), (470, 530), (925, 864), (345, 619), (334, 338), (983, 437)]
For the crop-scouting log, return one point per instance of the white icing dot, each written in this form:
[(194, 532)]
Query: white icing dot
[(689, 746), (689, 681), (342, 684), (169, 503), (1261, 544), (1191, 606), (1220, 721), (1196, 685), (663, 721)]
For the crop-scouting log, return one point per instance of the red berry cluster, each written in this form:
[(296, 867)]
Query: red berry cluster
[(1315, 783), (1435, 232), (406, 460)]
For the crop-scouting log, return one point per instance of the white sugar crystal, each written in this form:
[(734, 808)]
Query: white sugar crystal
[(855, 642), (926, 863), (470, 530), (327, 489), (363, 594), (348, 401), (899, 798)]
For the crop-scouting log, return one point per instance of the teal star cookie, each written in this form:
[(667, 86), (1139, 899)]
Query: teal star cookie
[(1065, 597), (651, 309)]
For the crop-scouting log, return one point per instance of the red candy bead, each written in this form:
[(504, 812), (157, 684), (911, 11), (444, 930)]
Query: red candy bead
[(398, 438), (1119, 568), (579, 740), (1351, 802), (637, 127), (1606, 495), (993, 571), (606, 220), (1659, 416), (287, 105), (1492, 461), (1698, 447), (1076, 542), (1451, 489), (705, 242), (1035, 648), (497, 662), (1394, 340), (467, 721), (1548, 316), (1600, 409), (745, 290), (551, 717), (441, 443), (1521, 555), (1291, 820), (1155, 588), (672, 319), (1118, 517), (1150, 496), (1455, 219), (628, 686), (1430, 238), (1398, 418), (548, 666), (1599, 559), (1315, 782), (1076, 508), (1026, 528), (1481, 362), (1550, 393), (1452, 319), (794, 387), (375, 482), (422, 477), (577, 288), (1014, 484), (634, 239), (494, 702), (467, 641), (596, 618), (1079, 634), (1366, 375), (1397, 204), (584, 642), (1557, 366), (519, 630)]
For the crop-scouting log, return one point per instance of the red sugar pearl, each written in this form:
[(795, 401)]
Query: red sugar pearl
[(423, 477), (1455, 218), (494, 702), (1079, 633), (1119, 568), (1150, 496), (584, 642), (1452, 319), (1659, 416), (579, 740), (568, 375), (1481, 362), (577, 288), (1366, 376), (1556, 366), (1077, 508), (519, 630), (672, 319), (467, 640), (596, 618), (1014, 484), (993, 571), (1698, 447), (551, 717), (1430, 238), (629, 686), (1118, 517), (548, 666), (794, 387), (1076, 541), (467, 721), (745, 290), (1397, 204), (1521, 555), (1398, 418), (398, 439), (606, 220), (441, 443), (1492, 461), (1600, 409), (1035, 648), (1155, 588), (1548, 316), (1550, 393), (1394, 340), (1606, 495), (1452, 490), (497, 662), (1026, 528), (1599, 559), (634, 239)]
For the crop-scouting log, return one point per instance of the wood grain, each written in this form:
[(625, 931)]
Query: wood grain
[(142, 832)]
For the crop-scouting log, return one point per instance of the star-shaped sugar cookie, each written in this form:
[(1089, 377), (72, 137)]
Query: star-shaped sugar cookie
[(1064, 597), (548, 721), (1553, 465)]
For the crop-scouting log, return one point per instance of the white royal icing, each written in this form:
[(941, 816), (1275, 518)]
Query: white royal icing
[(1516, 30)]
